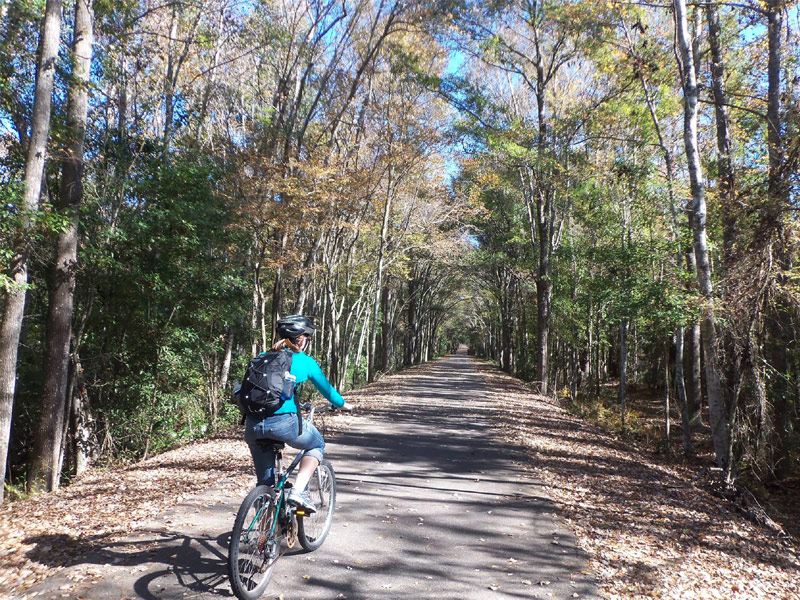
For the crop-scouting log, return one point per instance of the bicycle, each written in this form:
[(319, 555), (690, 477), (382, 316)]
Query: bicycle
[(266, 522)]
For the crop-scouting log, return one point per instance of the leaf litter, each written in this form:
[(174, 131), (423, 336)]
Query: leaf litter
[(647, 531)]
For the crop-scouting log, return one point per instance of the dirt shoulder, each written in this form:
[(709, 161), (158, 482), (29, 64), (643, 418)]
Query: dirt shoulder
[(650, 532)]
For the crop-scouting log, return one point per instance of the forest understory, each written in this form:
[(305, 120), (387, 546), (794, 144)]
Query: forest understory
[(649, 525), (646, 431)]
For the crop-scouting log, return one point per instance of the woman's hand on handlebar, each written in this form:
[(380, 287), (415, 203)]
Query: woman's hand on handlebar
[(347, 406)]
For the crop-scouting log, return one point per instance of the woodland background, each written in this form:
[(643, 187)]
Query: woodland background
[(601, 197)]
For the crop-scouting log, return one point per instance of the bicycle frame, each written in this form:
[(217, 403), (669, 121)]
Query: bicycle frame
[(267, 524), (282, 476)]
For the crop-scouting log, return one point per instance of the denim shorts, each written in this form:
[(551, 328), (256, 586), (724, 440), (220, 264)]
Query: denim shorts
[(282, 428)]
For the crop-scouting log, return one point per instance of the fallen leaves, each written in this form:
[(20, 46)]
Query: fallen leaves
[(50, 532), (648, 531)]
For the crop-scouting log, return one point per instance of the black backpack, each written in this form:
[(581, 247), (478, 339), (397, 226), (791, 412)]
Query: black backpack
[(265, 387)]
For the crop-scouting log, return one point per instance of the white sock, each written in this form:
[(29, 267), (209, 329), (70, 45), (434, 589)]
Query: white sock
[(301, 481)]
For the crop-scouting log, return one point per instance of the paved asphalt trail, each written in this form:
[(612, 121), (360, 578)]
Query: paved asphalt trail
[(430, 505)]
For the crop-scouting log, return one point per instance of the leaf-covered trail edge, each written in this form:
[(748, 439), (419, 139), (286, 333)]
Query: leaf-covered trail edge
[(648, 530)]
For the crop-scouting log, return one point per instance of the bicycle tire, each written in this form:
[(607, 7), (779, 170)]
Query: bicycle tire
[(314, 528), (252, 552)]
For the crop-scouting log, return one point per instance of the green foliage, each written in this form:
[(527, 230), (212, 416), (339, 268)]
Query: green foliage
[(10, 200), (160, 285), (15, 491), (285, 148)]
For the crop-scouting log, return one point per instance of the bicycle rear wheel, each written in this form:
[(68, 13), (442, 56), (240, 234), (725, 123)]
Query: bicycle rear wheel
[(313, 528), (254, 544)]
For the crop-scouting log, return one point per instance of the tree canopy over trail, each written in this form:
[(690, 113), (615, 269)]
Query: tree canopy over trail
[(599, 196)]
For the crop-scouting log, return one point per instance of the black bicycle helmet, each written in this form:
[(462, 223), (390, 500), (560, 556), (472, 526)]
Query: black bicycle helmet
[(294, 326)]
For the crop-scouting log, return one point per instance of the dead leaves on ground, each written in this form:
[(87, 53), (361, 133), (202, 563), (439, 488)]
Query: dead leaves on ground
[(47, 533), (648, 531)]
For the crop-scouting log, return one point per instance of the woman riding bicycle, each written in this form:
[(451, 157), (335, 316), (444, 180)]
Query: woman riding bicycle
[(294, 335)]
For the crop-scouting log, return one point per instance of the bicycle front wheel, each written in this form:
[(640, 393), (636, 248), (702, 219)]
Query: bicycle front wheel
[(254, 544), (313, 528)]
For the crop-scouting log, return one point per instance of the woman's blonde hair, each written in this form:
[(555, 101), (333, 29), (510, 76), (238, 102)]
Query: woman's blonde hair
[(286, 343)]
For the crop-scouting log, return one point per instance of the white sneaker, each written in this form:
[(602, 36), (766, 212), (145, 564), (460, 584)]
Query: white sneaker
[(302, 500)]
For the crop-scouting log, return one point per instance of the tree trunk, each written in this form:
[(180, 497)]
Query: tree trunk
[(81, 417), (219, 373), (277, 294), (779, 318), (45, 469), (413, 325), (667, 419), (719, 420), (387, 211), (726, 187), (14, 307), (254, 312), (680, 391), (506, 319), (386, 330), (277, 305), (169, 77), (623, 367), (544, 291), (725, 165), (694, 389), (598, 354), (334, 363), (359, 352), (587, 364), (774, 135), (225, 368)]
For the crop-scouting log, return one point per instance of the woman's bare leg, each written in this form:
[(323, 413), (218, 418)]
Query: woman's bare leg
[(308, 465)]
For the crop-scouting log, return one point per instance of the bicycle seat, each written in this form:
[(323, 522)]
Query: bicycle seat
[(274, 444)]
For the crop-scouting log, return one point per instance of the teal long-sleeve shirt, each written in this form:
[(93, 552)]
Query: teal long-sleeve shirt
[(306, 368)]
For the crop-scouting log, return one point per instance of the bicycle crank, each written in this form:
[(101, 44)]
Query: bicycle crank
[(291, 531)]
